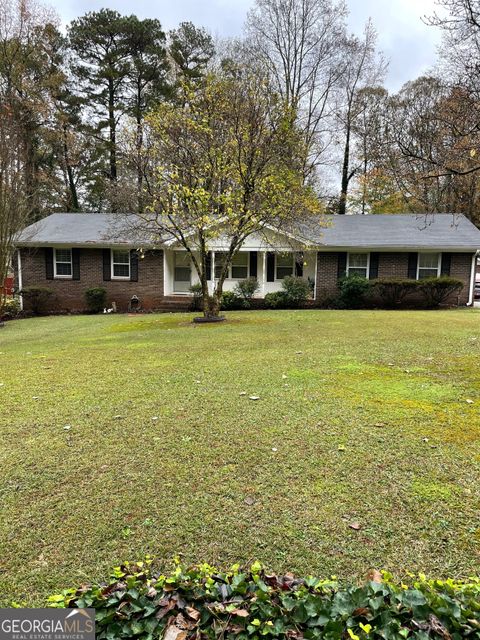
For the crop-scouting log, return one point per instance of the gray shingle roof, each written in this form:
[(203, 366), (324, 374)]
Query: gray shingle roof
[(399, 231)]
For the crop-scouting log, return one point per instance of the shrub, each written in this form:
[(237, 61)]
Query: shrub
[(201, 602), (10, 309), (296, 290), (393, 291), (354, 290), (197, 302), (231, 301), (38, 299), (96, 298), (276, 300), (437, 290), (246, 289)]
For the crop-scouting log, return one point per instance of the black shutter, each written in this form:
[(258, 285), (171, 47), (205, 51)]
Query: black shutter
[(75, 264), (299, 265), (107, 265), (134, 265), (446, 264), (270, 267), (208, 265), (253, 264), (342, 264), (412, 266), (49, 263), (373, 274)]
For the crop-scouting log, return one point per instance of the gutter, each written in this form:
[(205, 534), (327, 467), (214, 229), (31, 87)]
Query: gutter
[(472, 279)]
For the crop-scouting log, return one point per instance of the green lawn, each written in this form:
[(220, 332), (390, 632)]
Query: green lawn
[(362, 417)]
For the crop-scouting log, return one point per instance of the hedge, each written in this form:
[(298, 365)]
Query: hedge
[(200, 602)]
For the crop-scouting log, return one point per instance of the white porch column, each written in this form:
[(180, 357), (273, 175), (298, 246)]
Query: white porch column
[(212, 274), (264, 272)]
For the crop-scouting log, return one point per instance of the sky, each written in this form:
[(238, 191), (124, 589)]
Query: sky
[(408, 44)]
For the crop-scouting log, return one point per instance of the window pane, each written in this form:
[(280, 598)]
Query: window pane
[(64, 269), (122, 257), (121, 270), (219, 262), (283, 272), (239, 273), (359, 270), (284, 260), (63, 255), (428, 260), (240, 259), (427, 273), (358, 260)]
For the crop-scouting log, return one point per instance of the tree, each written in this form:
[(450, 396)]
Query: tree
[(99, 41), (27, 80), (191, 49), (299, 43), (363, 68), (224, 164), (14, 210), (147, 78)]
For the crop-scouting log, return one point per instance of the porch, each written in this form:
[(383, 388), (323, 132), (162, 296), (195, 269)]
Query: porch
[(270, 268)]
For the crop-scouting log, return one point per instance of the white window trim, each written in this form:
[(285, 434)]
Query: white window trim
[(367, 276), (293, 267), (59, 275), (229, 274), (439, 263), (114, 277)]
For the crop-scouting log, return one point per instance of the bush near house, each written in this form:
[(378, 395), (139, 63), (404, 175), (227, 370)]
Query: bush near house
[(393, 291), (246, 289), (200, 602), (295, 292), (354, 290), (96, 299), (437, 290), (10, 309), (38, 299), (230, 301)]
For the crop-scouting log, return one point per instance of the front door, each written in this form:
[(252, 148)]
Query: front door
[(182, 273)]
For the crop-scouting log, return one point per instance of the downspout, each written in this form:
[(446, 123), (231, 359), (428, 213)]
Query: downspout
[(315, 283), (472, 278), (20, 279)]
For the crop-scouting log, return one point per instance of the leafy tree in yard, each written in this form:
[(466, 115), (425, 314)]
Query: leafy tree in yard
[(227, 163)]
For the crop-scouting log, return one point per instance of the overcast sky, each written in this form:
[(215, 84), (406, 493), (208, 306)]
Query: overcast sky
[(409, 44)]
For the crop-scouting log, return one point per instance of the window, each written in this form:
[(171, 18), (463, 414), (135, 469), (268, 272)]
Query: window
[(121, 264), (240, 266), (63, 263), (358, 263), (238, 270), (428, 265), (284, 265)]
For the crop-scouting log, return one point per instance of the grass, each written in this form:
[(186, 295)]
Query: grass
[(121, 436)]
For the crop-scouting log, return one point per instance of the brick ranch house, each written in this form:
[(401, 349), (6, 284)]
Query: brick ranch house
[(71, 252)]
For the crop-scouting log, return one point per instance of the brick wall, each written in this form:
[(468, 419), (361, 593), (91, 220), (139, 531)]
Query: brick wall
[(70, 294), (390, 265)]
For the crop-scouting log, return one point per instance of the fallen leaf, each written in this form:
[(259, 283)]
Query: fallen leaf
[(249, 500), (242, 393), (469, 401), (374, 576), (341, 447), (174, 633), (193, 613), (356, 526), (254, 397), (379, 424), (243, 613)]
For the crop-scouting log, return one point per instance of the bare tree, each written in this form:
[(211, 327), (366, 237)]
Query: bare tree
[(364, 67), (299, 43)]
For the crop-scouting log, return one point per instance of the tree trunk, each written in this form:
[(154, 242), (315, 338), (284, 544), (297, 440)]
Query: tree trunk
[(72, 187), (342, 204), (139, 145), (113, 142)]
